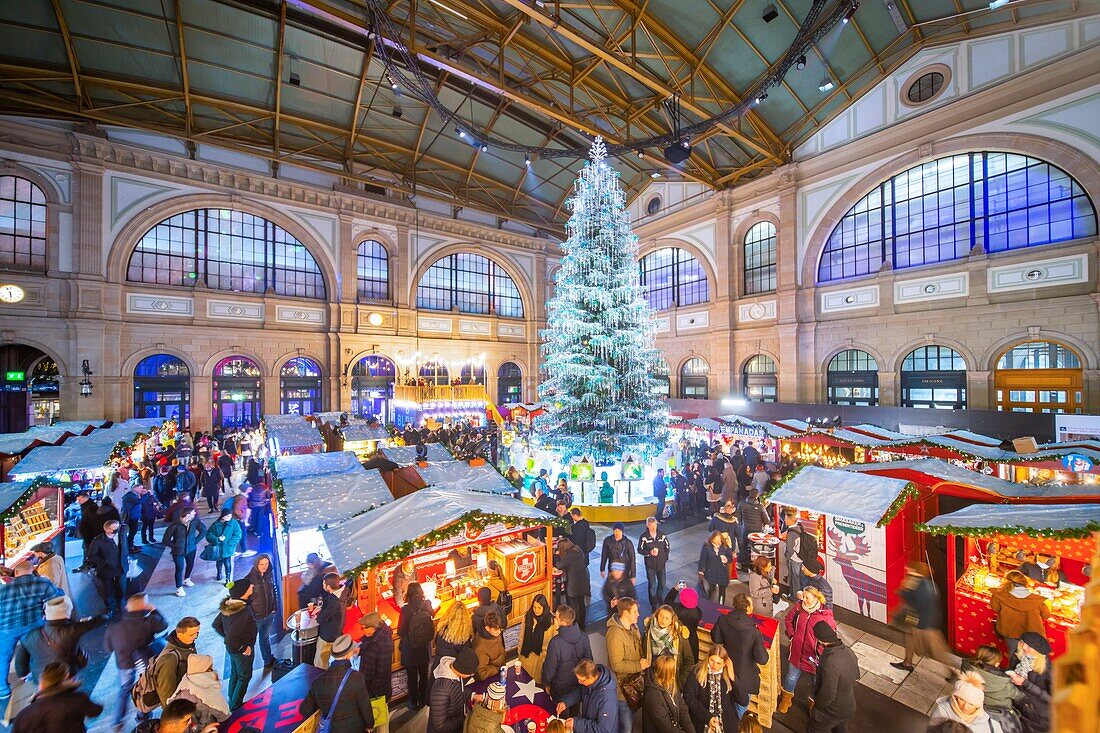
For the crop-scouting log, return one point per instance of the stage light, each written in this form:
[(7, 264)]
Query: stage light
[(655, 174), (770, 14), (763, 96), (527, 160), (678, 152), (639, 152), (851, 12), (801, 63), (397, 112), (461, 132), (484, 147), (998, 4)]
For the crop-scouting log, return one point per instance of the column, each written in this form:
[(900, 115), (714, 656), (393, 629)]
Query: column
[(88, 219), (401, 262), (202, 404), (979, 391), (271, 388), (889, 393), (788, 377), (347, 250)]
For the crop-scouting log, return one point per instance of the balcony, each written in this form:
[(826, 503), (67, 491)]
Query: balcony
[(447, 394)]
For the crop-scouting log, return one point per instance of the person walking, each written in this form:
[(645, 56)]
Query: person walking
[(181, 537), (654, 548), (596, 699), (535, 633), (186, 483), (966, 705), (762, 586), (752, 518), (709, 693), (737, 633), (624, 654), (834, 686), (237, 627), (715, 560), (259, 509), (171, 664), (617, 548), (487, 716), (1018, 610), (223, 537), (376, 665), (792, 542), (86, 527), (664, 636), (108, 555), (225, 467), (340, 693), (264, 604), (131, 639), (725, 521), (210, 483), (572, 561), (58, 639), (202, 686), (660, 493), (920, 618), (330, 617), (415, 630), (566, 649), (131, 513), (799, 624), (51, 566), (148, 515), (58, 705), (1031, 674), (449, 699)]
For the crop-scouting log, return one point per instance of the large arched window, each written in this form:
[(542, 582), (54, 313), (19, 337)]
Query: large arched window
[(672, 277), (473, 374), (760, 381), (469, 283), (693, 379), (435, 374), (933, 377), (1039, 376), (373, 267), (852, 379), (372, 380), (300, 387), (22, 224), (236, 388), (760, 258), (939, 211), (509, 383), (226, 250), (162, 388)]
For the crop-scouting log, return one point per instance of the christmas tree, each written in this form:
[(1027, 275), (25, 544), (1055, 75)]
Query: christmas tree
[(599, 348)]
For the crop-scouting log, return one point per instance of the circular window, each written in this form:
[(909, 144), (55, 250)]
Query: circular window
[(925, 88), (653, 206)]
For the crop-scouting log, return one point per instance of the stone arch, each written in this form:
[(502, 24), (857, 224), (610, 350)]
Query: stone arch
[(118, 258), (212, 361), (689, 357), (875, 353), (758, 352), (384, 238), (345, 369), (128, 366), (1086, 353), (908, 348), (50, 190), (62, 367), (523, 281), (277, 364), (1075, 163), (691, 249)]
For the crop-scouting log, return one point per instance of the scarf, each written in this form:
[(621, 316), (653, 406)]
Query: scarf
[(714, 697), (968, 719), (534, 631), (661, 641)]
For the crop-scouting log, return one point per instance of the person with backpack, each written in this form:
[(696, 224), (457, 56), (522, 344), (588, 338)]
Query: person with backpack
[(340, 695), (415, 630), (202, 686), (237, 626), (449, 700), (222, 539), (566, 649), (182, 539), (159, 681), (582, 534), (792, 550), (131, 639), (186, 483)]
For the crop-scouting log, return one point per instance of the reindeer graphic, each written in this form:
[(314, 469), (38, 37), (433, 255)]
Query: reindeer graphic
[(867, 589)]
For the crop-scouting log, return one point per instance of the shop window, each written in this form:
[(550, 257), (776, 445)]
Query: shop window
[(300, 387), (237, 393), (509, 384), (1039, 376), (372, 381), (162, 389), (694, 376), (760, 380), (933, 377), (672, 277), (852, 379)]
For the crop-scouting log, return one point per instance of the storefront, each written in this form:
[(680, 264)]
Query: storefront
[(1039, 376), (236, 390), (162, 389), (933, 377), (300, 387), (985, 542), (363, 438), (372, 380), (852, 379), (509, 383), (30, 512)]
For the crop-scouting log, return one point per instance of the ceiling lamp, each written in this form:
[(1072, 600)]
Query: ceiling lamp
[(760, 99), (801, 63), (655, 174), (826, 84), (851, 12), (770, 14)]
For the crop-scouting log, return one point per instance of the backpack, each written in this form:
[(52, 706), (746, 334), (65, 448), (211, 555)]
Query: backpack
[(504, 600), (589, 540), (421, 630), (144, 692), (807, 546), (324, 725)]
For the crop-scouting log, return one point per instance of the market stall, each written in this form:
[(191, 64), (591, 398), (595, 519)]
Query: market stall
[(293, 438), (363, 438), (464, 476), (275, 710), (30, 512), (987, 541), (864, 524)]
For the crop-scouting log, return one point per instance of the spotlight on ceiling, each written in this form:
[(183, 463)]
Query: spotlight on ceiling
[(639, 152), (484, 147), (851, 12), (461, 132), (655, 174), (677, 153), (770, 14), (760, 99), (997, 4), (397, 112), (801, 63), (826, 84), (527, 160)]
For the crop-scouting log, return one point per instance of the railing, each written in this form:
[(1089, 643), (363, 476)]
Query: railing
[(442, 393)]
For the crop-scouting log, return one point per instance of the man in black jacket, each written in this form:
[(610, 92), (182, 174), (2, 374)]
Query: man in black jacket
[(376, 659), (131, 639), (573, 563), (87, 527), (565, 650), (737, 632), (653, 545), (352, 713), (131, 513), (330, 618), (753, 518), (236, 624), (448, 698), (617, 548), (834, 685), (582, 534), (108, 554)]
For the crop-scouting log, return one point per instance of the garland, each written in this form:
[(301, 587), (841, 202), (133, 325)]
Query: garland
[(778, 484), (909, 492), (123, 448), (280, 498), (16, 506), (1070, 533)]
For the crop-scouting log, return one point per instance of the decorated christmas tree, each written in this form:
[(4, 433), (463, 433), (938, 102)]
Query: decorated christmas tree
[(599, 347)]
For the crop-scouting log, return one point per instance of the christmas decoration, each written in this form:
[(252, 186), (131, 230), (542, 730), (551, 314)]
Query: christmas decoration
[(1068, 533), (599, 348)]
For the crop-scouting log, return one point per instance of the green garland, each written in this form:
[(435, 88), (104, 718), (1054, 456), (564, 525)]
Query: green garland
[(36, 483), (1071, 533), (280, 499), (123, 447), (909, 492), (779, 484)]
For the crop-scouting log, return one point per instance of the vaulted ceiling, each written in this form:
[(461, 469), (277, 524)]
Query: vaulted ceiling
[(300, 81)]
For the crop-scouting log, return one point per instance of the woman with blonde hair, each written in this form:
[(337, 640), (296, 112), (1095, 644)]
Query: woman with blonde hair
[(665, 635), (1032, 675), (663, 706), (454, 632), (803, 654), (709, 693)]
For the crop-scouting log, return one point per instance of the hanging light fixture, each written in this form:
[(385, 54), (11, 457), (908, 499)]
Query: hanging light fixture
[(85, 383)]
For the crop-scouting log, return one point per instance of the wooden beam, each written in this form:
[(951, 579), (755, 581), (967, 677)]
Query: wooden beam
[(279, 77), (354, 126), (70, 51), (184, 75)]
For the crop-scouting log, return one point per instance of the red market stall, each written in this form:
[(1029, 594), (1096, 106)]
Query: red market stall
[(30, 512), (987, 541)]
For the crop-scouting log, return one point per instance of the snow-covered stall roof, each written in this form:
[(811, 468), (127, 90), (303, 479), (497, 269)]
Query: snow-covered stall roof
[(860, 496), (709, 424), (461, 476), (359, 431), (79, 453), (272, 420), (12, 443), (315, 464), (329, 418), (11, 492), (1019, 519), (405, 455), (772, 429), (290, 437), (942, 470), (362, 538), (312, 501)]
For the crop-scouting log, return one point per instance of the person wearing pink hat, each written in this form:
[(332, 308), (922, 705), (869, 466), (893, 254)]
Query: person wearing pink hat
[(685, 602)]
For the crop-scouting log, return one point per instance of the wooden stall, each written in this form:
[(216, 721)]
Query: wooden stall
[(30, 512)]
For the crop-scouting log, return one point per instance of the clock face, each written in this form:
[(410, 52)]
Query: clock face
[(11, 293)]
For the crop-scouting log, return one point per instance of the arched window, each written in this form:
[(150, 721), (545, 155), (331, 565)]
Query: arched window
[(852, 379), (662, 374), (469, 283), (226, 250), (22, 224), (435, 373), (760, 258), (300, 387), (473, 374), (45, 388), (1039, 376), (374, 272), (672, 277), (939, 211), (760, 380), (372, 380), (162, 389), (509, 383), (933, 377), (693, 379), (236, 389)]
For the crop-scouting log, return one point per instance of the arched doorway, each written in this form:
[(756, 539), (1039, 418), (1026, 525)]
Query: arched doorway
[(662, 375), (759, 379), (1039, 376), (162, 388), (852, 379), (300, 387), (236, 388), (509, 383), (933, 377), (435, 374), (29, 393), (372, 380), (693, 379), (45, 387), (473, 374)]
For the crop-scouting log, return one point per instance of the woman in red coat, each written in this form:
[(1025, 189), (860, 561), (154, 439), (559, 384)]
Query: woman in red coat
[(803, 651)]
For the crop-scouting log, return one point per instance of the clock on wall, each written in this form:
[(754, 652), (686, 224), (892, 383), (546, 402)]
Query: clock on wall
[(11, 293)]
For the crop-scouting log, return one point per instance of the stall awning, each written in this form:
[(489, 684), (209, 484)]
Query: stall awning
[(79, 453), (405, 455), (709, 424), (292, 437), (329, 418), (357, 432), (940, 471), (315, 464), (13, 443), (858, 496), (273, 420), (361, 540), (771, 429), (461, 476), (1061, 520), (312, 501)]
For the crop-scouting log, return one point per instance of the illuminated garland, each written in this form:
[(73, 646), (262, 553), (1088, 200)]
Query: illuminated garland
[(909, 492), (123, 448), (35, 484), (1070, 533), (280, 498), (778, 484)]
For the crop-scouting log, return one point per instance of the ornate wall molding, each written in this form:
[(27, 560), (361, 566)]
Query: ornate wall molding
[(918, 290), (161, 305), (234, 310), (1038, 274)]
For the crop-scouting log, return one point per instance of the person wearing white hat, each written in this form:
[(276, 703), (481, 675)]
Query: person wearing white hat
[(341, 691), (965, 705), (488, 715), (202, 686), (58, 640)]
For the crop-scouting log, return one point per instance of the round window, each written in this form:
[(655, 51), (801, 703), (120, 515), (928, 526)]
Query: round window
[(925, 88), (653, 206)]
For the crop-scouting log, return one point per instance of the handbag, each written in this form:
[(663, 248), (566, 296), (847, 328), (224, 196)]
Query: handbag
[(324, 725), (632, 686), (381, 710), (209, 553), (504, 600)]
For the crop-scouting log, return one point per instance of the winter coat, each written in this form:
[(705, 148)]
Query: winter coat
[(108, 556), (1016, 616), (149, 506), (53, 569), (921, 598), (613, 590), (698, 701), (205, 690), (352, 712), (483, 720), (1033, 705), (263, 600), (575, 567), (715, 564), (834, 687), (185, 481), (477, 618), (412, 655), (225, 464), (63, 708), (56, 641), (447, 700), (663, 713), (182, 539), (211, 482), (533, 662), (330, 619), (599, 707), (171, 666), (799, 626), (760, 589), (617, 551), (729, 483), (131, 637), (999, 690), (685, 659), (647, 543), (727, 524), (376, 662), (752, 516), (259, 497), (131, 506), (624, 650), (443, 648), (236, 624), (819, 582), (87, 525), (580, 536), (230, 529), (569, 646), (737, 632), (490, 654), (981, 724)]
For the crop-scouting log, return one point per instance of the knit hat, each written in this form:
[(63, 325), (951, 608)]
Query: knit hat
[(59, 609), (342, 645), (968, 688), (825, 633), (813, 565), (465, 662), (1036, 642), (199, 663), (495, 691), (618, 526), (372, 619), (620, 566), (689, 598)]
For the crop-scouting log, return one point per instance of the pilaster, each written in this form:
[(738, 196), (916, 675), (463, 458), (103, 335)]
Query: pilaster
[(88, 219)]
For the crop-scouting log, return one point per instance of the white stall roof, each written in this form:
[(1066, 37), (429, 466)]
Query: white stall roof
[(271, 420), (858, 496), (11, 492), (330, 418), (289, 437), (947, 471), (315, 464), (12, 443), (333, 497), (405, 455), (411, 517), (461, 476), (1020, 518), (359, 431), (79, 453)]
